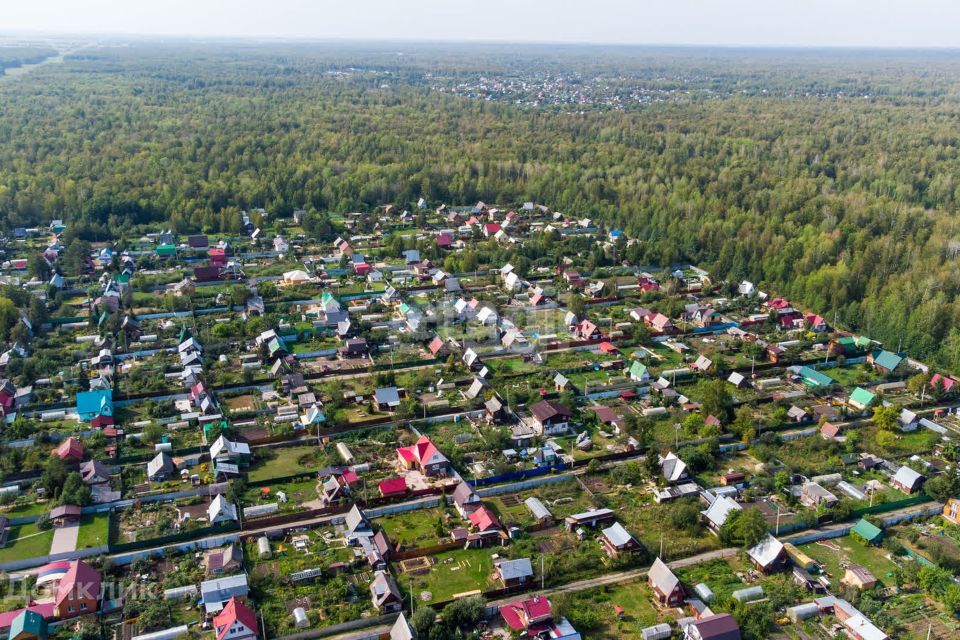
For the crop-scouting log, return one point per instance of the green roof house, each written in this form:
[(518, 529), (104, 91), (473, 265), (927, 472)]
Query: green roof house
[(167, 251), (28, 625), (813, 378), (861, 399), (885, 361), (638, 372), (867, 532)]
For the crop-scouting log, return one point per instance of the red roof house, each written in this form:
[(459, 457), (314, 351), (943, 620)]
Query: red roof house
[(393, 487), (425, 457), (236, 621), (527, 614), (78, 592), (70, 450), (484, 520)]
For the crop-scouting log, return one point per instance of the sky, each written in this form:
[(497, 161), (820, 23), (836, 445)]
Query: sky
[(808, 23)]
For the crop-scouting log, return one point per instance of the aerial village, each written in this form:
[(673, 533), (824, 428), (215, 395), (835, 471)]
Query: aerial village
[(476, 420)]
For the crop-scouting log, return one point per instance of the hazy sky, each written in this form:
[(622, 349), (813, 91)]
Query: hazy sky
[(932, 23)]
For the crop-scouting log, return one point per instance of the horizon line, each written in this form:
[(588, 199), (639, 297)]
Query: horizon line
[(303, 39)]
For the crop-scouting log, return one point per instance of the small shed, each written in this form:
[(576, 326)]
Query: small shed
[(656, 632)]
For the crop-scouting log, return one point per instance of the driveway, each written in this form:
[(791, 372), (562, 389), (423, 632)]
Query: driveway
[(65, 539)]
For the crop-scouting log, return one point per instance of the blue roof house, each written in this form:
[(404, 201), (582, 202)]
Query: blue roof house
[(91, 404)]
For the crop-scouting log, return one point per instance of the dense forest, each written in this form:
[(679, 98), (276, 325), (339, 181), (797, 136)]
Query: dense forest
[(12, 57), (829, 177)]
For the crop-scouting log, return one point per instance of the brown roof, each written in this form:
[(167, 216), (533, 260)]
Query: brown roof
[(547, 410)]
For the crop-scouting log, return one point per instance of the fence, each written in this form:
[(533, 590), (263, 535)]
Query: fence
[(523, 485), (890, 506), (184, 536), (373, 624), (25, 563), (426, 551), (516, 475)]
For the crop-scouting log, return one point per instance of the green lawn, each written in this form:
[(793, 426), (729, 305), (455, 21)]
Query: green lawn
[(872, 558), (94, 530), (26, 541), (453, 573), (416, 528), (30, 508), (638, 610), (285, 463)]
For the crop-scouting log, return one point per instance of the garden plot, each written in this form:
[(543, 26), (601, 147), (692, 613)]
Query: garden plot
[(452, 574), (837, 554)]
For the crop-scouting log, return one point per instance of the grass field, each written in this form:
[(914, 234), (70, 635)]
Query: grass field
[(453, 573), (874, 559), (638, 610), (94, 530), (416, 528), (286, 463), (26, 541)]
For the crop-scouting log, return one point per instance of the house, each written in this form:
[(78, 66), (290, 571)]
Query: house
[(592, 518), (527, 615), (638, 372), (218, 591), (224, 449), (484, 521), (815, 323), (392, 487), (78, 592), (465, 500), (354, 348), (550, 417), (221, 510), (907, 480), (161, 467), (296, 277), (513, 573), (722, 626), (384, 593), (673, 469), (659, 323), (830, 431), (884, 361), (587, 330), (951, 511), (401, 630), (224, 560), (28, 625), (496, 409), (813, 495), (769, 555), (540, 512), (861, 399), (387, 398), (942, 383), (235, 621), (616, 541), (858, 577), (437, 347), (94, 472), (70, 450), (425, 457), (95, 404), (719, 511), (666, 587)]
